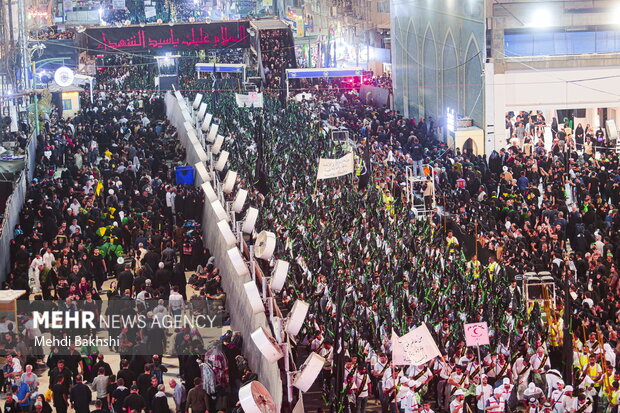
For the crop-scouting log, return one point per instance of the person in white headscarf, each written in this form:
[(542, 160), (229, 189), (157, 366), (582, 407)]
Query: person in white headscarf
[(610, 354), (532, 391)]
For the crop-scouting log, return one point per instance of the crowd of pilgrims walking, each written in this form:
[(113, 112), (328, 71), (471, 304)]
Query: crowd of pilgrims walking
[(105, 222), (550, 211), (354, 244)]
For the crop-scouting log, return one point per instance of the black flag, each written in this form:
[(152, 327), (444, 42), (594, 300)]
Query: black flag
[(366, 172)]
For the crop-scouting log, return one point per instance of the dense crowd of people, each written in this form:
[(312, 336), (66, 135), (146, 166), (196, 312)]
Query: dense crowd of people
[(278, 54), (126, 72), (107, 227), (528, 127), (552, 211), (384, 80), (367, 262)]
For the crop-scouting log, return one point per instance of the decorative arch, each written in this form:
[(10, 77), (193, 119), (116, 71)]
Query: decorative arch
[(473, 80), (411, 57), (431, 91), (449, 74)]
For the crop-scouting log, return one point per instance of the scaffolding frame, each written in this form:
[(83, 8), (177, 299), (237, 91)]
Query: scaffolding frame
[(417, 203)]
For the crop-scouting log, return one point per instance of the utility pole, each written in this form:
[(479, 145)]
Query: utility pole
[(22, 41), (567, 339)]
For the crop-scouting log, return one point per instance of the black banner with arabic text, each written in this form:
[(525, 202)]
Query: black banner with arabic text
[(166, 38)]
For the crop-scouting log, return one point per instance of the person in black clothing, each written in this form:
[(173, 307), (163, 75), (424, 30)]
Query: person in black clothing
[(98, 408), (144, 380), (127, 375), (60, 395), (45, 406), (159, 404), (178, 279), (133, 402), (150, 394), (61, 371), (162, 279), (72, 360), (151, 259), (138, 281), (80, 396), (417, 154), (101, 363), (99, 268), (118, 395), (110, 388), (125, 279)]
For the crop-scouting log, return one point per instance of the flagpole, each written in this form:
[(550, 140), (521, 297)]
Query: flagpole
[(445, 216), (484, 398), (476, 243), (337, 363)]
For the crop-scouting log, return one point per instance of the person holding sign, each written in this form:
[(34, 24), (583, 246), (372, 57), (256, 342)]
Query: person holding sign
[(484, 392), (458, 380), (458, 404), (391, 383)]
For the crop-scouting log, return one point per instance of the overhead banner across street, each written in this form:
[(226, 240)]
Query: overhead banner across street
[(187, 36)]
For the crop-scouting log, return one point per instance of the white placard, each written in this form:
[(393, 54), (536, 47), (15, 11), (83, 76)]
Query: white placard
[(333, 168), (414, 348), (237, 206), (209, 192), (253, 99), (201, 172), (250, 220), (221, 161), (227, 234), (229, 182)]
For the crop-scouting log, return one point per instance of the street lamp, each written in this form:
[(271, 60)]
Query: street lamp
[(40, 63)]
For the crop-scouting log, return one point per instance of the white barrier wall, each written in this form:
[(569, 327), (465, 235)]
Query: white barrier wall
[(14, 206), (234, 273)]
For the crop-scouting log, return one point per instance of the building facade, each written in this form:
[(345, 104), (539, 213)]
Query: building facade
[(350, 32), (559, 59), (438, 57), (490, 59)]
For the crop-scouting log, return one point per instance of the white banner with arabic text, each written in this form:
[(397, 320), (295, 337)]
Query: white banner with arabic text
[(414, 348), (251, 99), (333, 168)]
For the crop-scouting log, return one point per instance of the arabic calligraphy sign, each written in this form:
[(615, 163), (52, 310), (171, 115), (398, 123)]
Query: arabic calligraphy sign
[(252, 99), (476, 334), (414, 348), (168, 38), (333, 168)]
